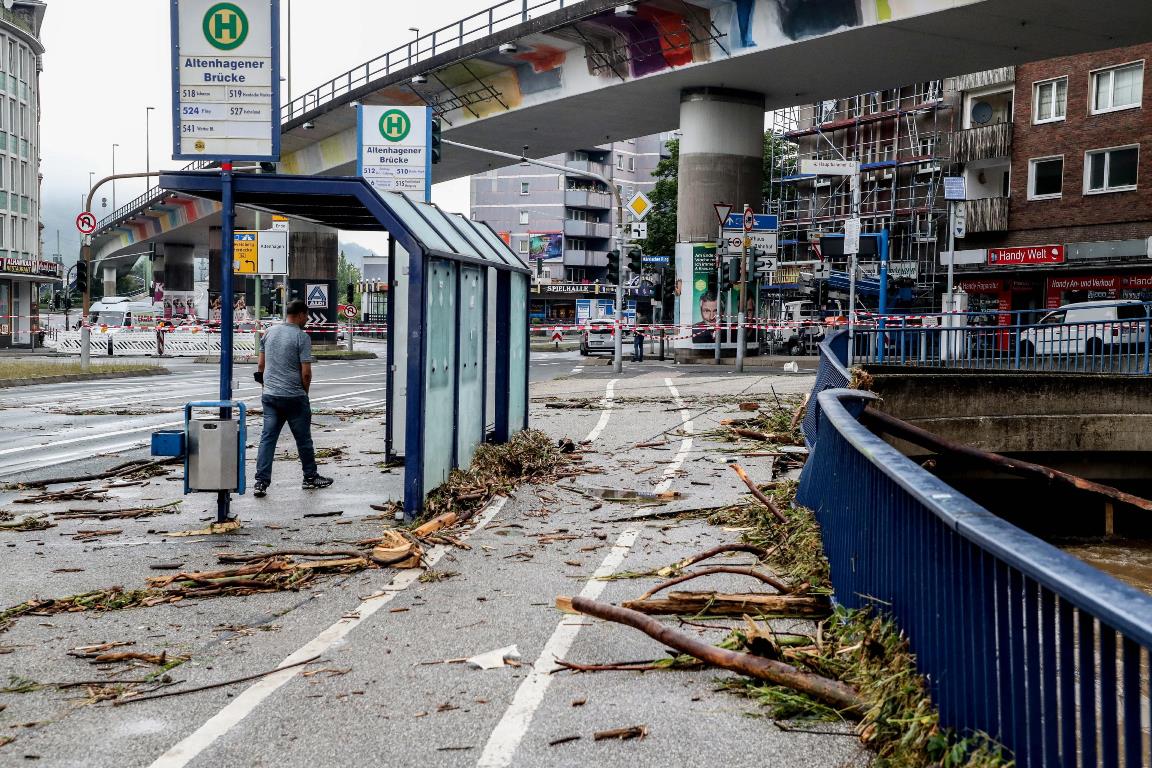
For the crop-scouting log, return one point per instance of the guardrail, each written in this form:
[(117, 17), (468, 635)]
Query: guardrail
[(1016, 639), (1011, 341)]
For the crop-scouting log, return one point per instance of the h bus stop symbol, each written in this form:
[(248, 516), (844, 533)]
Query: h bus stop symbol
[(395, 125), (225, 26)]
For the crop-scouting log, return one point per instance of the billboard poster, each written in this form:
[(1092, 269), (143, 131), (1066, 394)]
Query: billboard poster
[(545, 245), (705, 297)]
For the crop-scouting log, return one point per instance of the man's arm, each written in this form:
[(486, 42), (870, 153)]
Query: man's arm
[(306, 376)]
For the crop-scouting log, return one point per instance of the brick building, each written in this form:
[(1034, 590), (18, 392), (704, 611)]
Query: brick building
[(1060, 199)]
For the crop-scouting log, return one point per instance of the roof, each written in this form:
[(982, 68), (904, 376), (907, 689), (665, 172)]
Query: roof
[(350, 203)]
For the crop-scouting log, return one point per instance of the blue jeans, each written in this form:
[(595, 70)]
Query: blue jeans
[(638, 348), (296, 412)]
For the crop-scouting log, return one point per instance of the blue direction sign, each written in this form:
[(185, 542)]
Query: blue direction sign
[(661, 261), (764, 222)]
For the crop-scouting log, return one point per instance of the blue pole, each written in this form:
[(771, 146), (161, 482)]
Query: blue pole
[(227, 227), (882, 305)]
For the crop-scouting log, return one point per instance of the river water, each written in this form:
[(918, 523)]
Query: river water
[(1128, 560)]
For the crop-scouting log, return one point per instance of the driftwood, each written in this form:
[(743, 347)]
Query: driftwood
[(227, 557), (760, 497), (722, 604), (120, 470), (835, 694), (768, 579), (215, 685), (708, 554), (901, 429)]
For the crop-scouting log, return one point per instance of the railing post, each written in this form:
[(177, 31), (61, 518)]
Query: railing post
[(1147, 341), (524, 13)]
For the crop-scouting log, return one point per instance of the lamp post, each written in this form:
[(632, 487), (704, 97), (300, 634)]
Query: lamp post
[(147, 144), (288, 40), (114, 146)]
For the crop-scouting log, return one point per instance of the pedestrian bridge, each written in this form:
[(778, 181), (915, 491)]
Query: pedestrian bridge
[(558, 75)]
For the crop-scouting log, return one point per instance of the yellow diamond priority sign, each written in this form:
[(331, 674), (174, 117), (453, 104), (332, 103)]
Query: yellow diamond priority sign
[(640, 206)]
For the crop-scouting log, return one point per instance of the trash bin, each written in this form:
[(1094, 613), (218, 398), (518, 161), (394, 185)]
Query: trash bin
[(213, 455), (168, 442)]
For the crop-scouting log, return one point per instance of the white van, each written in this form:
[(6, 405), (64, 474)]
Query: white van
[(1088, 327), (117, 313)]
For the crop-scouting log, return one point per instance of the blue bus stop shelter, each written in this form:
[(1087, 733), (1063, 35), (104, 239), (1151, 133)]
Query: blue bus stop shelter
[(458, 340)]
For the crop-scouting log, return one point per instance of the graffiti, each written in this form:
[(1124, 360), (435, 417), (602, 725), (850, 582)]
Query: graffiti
[(806, 18)]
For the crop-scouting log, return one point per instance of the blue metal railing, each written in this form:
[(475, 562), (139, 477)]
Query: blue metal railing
[(1011, 341), (830, 374), (1016, 639)]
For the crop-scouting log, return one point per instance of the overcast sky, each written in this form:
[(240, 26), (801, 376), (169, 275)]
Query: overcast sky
[(107, 60)]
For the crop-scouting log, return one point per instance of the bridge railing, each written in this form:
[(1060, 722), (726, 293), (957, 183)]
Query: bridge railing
[(479, 25), (1011, 341), (1017, 639)]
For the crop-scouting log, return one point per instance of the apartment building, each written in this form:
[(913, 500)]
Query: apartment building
[(565, 223)]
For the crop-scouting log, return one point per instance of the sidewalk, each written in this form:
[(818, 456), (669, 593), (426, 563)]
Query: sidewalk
[(383, 635)]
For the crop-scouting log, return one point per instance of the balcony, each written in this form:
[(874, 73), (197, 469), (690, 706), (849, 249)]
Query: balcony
[(591, 166), (582, 258), (588, 229), (583, 198), (986, 79), (984, 143), (987, 215)]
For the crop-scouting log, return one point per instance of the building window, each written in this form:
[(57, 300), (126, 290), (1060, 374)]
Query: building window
[(525, 187), (1117, 88), (523, 217), (619, 161), (632, 164), (1111, 170), (1050, 100), (522, 245), (1045, 178)]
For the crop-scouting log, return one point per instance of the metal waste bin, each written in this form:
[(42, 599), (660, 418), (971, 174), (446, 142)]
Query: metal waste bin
[(214, 459)]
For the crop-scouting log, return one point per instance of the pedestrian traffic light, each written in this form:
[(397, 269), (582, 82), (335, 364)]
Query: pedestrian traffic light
[(437, 139), (81, 277), (613, 267), (635, 261)]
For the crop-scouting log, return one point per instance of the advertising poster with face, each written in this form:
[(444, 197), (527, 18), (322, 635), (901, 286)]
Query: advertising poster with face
[(705, 298)]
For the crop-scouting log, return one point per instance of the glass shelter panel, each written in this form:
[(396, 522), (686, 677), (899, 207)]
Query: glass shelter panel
[(518, 354), (470, 398), (439, 368)]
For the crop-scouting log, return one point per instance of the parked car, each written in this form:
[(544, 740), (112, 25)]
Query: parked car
[(1089, 327), (599, 337)]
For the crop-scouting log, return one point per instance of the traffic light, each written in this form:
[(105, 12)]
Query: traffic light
[(635, 261), (667, 282), (613, 267), (734, 270), (437, 139), (81, 277), (350, 294)]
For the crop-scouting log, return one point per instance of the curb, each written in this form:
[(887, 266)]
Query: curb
[(5, 383)]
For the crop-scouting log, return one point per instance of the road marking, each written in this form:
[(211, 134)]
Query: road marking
[(685, 446), (605, 414), (578, 369), (243, 705), (513, 726)]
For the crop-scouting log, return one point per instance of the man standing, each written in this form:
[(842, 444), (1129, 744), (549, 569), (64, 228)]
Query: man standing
[(286, 372), (637, 345)]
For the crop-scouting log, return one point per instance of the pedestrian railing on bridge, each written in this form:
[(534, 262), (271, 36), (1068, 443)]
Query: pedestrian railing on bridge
[(1017, 639), (1012, 341)]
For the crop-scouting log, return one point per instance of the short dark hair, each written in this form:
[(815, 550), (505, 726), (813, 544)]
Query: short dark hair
[(296, 307)]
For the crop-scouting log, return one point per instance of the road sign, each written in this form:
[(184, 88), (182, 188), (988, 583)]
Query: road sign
[(766, 242), (723, 210), (317, 318), (749, 219), (640, 205), (316, 295), (955, 188), (392, 152), (851, 236), (764, 222), (226, 80), (656, 261), (639, 230), (557, 336), (770, 264), (822, 272), (829, 167), (263, 252), (279, 224), (86, 223), (349, 311), (960, 222)]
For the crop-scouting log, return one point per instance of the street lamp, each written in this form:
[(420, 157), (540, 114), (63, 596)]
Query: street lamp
[(114, 146), (288, 7), (147, 146)]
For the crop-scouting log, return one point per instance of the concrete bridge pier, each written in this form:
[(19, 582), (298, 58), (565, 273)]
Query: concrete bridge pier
[(721, 161)]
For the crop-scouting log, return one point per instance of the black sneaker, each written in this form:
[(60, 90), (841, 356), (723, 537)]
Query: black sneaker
[(316, 481), (260, 489)]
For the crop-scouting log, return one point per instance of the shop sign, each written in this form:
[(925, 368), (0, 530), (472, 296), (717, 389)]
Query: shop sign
[(569, 288), (29, 267), (981, 286), (1084, 283), (1038, 254)]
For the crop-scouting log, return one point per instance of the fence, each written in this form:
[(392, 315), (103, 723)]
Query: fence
[(1113, 338), (1016, 638), (145, 343)]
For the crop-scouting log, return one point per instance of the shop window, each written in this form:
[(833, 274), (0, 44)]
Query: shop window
[(1045, 178), (1111, 170), (1050, 100), (1117, 88)]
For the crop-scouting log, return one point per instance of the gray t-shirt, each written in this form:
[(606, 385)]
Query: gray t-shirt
[(285, 348)]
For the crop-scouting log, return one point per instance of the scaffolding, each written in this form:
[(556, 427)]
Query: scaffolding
[(902, 139)]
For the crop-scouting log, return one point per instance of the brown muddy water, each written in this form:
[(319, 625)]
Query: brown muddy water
[(1128, 560)]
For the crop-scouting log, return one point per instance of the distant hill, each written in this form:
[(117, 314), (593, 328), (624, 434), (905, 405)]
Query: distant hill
[(356, 253)]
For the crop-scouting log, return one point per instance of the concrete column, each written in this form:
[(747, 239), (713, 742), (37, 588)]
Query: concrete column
[(721, 157), (178, 268), (109, 281)]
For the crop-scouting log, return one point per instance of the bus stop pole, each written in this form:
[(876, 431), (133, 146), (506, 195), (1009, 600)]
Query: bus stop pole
[(227, 243)]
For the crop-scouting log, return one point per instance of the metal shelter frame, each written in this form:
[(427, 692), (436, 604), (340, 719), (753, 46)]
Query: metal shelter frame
[(446, 252)]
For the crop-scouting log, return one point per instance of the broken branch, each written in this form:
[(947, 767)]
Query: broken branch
[(775, 583), (760, 497)]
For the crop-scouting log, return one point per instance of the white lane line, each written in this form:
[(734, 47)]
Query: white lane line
[(510, 731), (685, 445), (578, 369), (223, 721), (605, 414)]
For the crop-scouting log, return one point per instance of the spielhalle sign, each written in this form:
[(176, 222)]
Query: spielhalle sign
[(226, 80)]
